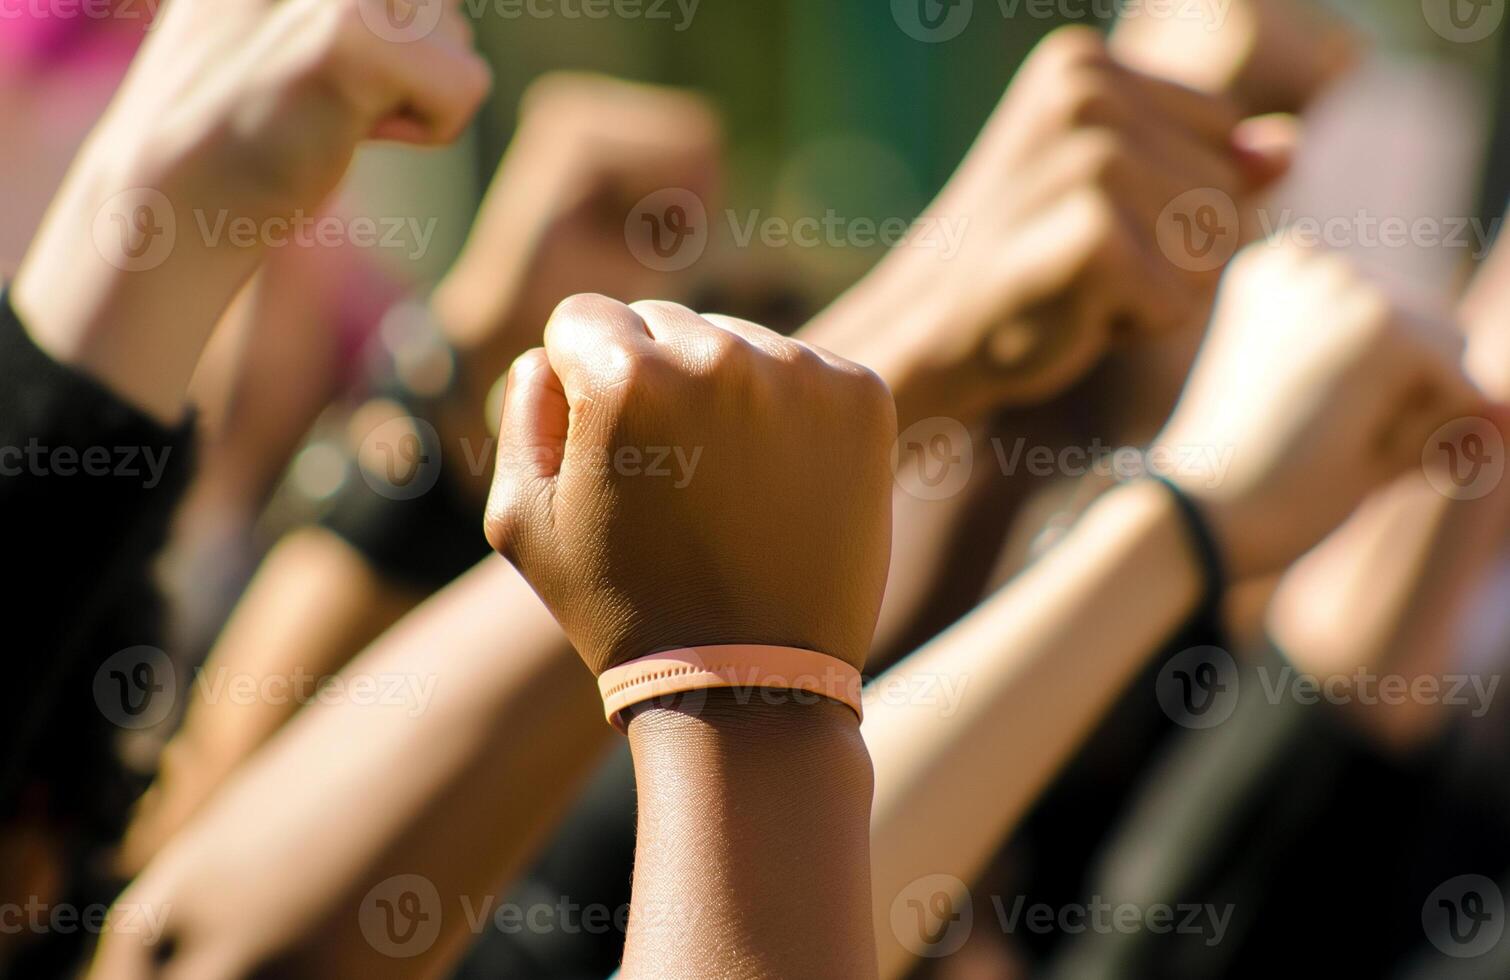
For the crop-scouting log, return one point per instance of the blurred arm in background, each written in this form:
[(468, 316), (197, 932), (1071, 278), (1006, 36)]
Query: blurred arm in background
[(1388, 592), (476, 729), (1317, 390)]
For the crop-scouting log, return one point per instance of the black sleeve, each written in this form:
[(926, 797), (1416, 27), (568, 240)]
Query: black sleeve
[(88, 485)]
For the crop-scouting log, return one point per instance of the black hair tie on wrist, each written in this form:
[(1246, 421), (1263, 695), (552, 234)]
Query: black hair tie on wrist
[(1208, 615)]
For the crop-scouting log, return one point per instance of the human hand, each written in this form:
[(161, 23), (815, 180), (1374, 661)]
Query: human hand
[(1267, 55), (667, 480), (233, 112), (1059, 209), (587, 148), (1312, 389)]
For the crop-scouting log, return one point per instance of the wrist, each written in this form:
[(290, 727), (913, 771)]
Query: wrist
[(118, 284), (742, 808), (1145, 511)]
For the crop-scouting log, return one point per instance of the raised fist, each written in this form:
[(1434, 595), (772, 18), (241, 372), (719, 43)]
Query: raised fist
[(1068, 210), (1312, 389), (260, 105), (666, 479), (587, 150)]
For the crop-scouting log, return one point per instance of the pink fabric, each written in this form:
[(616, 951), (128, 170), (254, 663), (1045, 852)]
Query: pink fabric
[(32, 42)]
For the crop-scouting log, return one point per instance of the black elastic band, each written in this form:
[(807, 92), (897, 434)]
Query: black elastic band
[(1208, 554)]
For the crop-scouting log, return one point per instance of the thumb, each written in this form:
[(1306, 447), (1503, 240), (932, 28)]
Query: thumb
[(1265, 147), (531, 446)]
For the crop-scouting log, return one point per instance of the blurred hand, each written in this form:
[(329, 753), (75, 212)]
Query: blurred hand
[(1311, 390), (282, 93), (1061, 202), (666, 479), (233, 111), (587, 149), (1267, 55)]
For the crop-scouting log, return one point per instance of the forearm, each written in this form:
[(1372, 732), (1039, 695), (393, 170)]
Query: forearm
[(1031, 673), (753, 849), (1386, 593), (491, 748), (313, 606), (118, 283)]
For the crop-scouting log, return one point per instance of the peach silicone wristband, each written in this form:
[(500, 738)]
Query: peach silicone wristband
[(743, 665)]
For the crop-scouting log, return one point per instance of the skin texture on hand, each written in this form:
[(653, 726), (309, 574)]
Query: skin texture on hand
[(250, 110), (1314, 388), (1062, 201), (779, 533)]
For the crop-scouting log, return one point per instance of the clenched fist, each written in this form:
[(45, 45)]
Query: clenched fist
[(1070, 204), (666, 479), (1312, 389), (239, 114)]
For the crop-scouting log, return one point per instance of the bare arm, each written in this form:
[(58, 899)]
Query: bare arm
[(753, 843), (460, 738), (1016, 686), (313, 601)]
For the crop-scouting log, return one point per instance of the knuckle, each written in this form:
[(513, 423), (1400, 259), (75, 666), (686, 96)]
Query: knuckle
[(581, 310), (721, 353)]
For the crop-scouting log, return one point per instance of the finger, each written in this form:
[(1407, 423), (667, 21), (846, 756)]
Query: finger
[(532, 434), (591, 340), (1265, 147), (434, 88), (762, 338), (687, 338)]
